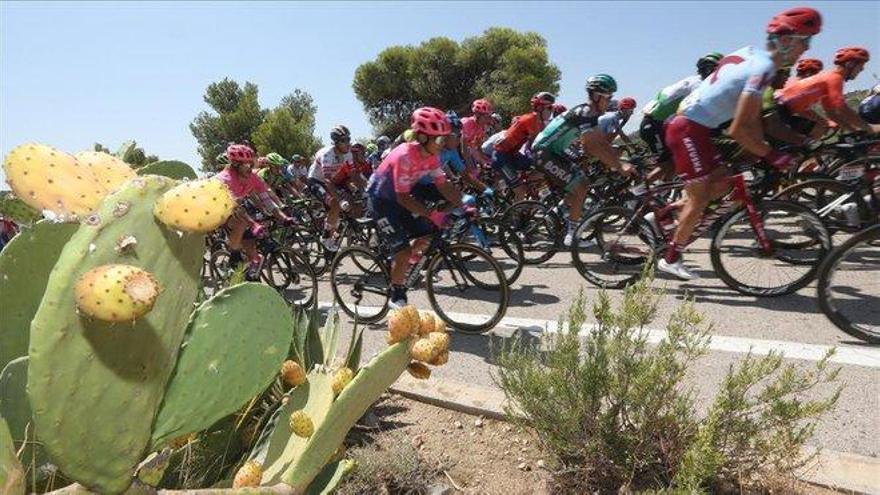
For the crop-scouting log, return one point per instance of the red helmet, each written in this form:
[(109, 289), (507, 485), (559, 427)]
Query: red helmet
[(627, 103), (851, 53), (482, 106), (358, 147), (808, 66), (430, 121), (559, 108), (802, 21), (542, 100), (240, 153), (263, 161)]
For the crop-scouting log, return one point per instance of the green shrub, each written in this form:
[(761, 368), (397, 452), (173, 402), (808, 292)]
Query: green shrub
[(616, 413), (390, 464)]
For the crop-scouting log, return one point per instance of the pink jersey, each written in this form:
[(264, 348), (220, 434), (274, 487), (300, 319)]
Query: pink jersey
[(402, 168), (472, 133), (242, 186)]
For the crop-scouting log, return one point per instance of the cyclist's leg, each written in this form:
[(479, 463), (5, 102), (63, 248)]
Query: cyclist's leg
[(508, 165), (397, 225)]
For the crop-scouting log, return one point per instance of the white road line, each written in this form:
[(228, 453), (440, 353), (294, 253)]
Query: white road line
[(845, 354)]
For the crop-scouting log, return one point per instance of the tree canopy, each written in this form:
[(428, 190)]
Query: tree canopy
[(503, 65)]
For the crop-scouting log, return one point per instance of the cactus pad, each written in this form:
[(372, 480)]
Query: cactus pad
[(25, 264), (197, 206), (49, 179), (109, 171), (235, 345), (11, 473), (169, 168), (17, 210), (95, 387), (116, 293)]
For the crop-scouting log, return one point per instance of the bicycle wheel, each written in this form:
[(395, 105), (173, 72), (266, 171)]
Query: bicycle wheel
[(798, 240), (621, 244), (539, 229), (467, 288), (362, 293), (289, 274), (849, 286), (219, 268), (504, 246)]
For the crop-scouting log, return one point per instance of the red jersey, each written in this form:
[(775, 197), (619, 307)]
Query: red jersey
[(825, 88), (524, 129)]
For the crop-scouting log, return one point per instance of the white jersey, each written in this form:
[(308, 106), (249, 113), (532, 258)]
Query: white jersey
[(666, 102), (488, 146), (327, 162)]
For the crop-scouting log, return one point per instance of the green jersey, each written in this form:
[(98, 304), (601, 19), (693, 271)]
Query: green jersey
[(562, 131)]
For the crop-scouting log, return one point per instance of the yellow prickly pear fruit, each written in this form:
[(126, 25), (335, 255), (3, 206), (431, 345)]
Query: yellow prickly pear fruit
[(440, 360), (440, 340), (424, 350), (439, 325), (198, 206), (426, 323), (248, 475), (116, 293), (399, 326), (418, 370), (341, 378), (301, 424), (110, 172), (292, 373), (412, 317), (49, 179)]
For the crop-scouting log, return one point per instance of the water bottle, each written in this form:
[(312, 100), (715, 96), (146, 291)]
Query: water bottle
[(480, 236)]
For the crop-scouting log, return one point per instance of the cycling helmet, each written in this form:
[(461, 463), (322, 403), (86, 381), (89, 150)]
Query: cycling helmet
[(383, 141), (806, 67), (453, 119), (802, 21), (430, 121), (707, 63), (222, 159), (358, 148), (627, 103), (297, 158), (602, 83), (542, 100), (497, 118), (558, 108), (372, 148), (481, 106), (239, 153), (262, 162), (340, 134), (851, 54), (276, 159)]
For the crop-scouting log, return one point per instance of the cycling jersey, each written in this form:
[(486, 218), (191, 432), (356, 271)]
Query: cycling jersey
[(667, 100), (327, 163), (347, 172), (472, 133), (825, 88), (293, 172), (273, 179), (239, 186), (488, 146), (558, 135), (869, 109), (609, 123), (450, 158), (745, 71), (401, 169), (523, 130)]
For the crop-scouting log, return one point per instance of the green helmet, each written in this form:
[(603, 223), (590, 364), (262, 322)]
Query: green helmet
[(707, 63), (222, 159), (372, 148), (276, 159), (602, 83)]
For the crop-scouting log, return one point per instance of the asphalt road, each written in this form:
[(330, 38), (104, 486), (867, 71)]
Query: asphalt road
[(790, 324)]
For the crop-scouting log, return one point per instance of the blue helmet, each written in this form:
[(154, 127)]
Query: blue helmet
[(453, 119)]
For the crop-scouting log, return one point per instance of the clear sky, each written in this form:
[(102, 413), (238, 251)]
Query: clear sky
[(74, 73)]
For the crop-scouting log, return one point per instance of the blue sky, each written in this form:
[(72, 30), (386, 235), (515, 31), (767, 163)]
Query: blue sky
[(73, 73)]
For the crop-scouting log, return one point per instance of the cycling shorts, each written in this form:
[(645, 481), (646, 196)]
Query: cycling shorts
[(561, 172), (318, 190), (396, 225), (693, 151), (651, 132), (799, 125), (510, 164)]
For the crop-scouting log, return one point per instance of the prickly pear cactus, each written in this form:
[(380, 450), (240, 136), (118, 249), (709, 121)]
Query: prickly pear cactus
[(196, 206), (109, 171), (17, 210), (95, 387), (11, 473), (169, 168), (16, 410), (235, 344), (25, 264)]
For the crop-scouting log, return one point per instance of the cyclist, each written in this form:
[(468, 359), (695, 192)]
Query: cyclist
[(869, 108), (612, 121), (473, 132), (452, 162), (328, 161), (276, 177), (733, 92), (664, 105), (298, 171), (826, 88), (242, 182), (399, 216), (558, 108), (496, 124), (807, 67), (360, 162), (382, 144), (555, 159), (508, 160)]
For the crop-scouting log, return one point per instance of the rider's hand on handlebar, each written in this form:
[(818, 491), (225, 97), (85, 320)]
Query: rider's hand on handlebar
[(627, 169), (468, 200), (488, 192), (777, 160)]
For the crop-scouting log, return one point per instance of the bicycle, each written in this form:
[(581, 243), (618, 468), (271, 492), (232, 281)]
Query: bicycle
[(454, 273), (854, 305), (777, 235)]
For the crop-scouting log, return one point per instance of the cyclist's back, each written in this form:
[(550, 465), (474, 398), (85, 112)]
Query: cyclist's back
[(825, 88), (565, 128), (667, 100)]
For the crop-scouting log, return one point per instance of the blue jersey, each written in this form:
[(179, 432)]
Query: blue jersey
[(746, 71)]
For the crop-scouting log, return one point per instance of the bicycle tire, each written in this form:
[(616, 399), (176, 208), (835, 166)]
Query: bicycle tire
[(504, 238), (589, 228), (795, 192), (336, 284), (805, 215), (825, 279), (434, 267), (296, 272), (544, 226)]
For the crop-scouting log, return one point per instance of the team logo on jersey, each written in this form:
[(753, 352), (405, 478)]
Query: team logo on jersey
[(728, 60)]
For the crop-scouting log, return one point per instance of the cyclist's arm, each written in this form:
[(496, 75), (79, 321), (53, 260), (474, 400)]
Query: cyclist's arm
[(849, 119), (747, 128), (596, 144), (412, 204), (450, 192)]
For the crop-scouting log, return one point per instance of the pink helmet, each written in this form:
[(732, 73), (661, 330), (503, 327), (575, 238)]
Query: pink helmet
[(627, 103), (482, 106), (430, 121), (240, 153), (263, 161)]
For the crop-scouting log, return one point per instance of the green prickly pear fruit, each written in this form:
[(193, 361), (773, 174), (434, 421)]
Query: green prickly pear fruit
[(109, 171), (418, 370), (341, 378), (116, 293), (49, 179), (292, 373), (424, 350), (199, 206), (248, 475), (301, 424)]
